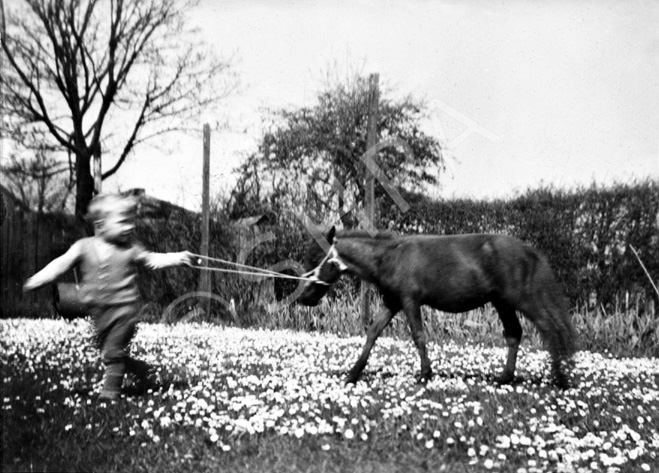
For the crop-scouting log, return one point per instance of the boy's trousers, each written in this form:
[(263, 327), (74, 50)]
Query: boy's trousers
[(115, 327)]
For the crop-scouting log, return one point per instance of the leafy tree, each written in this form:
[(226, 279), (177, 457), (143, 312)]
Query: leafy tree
[(310, 157), (99, 77)]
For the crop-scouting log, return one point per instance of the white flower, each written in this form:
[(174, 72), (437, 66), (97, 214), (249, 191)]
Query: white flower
[(430, 443), (312, 429), (349, 434)]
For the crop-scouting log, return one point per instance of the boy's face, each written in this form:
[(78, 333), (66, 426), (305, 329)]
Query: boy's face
[(117, 227)]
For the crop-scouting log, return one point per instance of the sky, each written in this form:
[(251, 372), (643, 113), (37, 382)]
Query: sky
[(520, 93)]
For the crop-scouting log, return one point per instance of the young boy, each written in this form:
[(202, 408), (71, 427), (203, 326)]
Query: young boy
[(108, 264)]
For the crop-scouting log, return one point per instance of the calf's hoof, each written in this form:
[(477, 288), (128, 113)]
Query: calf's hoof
[(560, 381), (505, 378), (423, 378), (351, 379)]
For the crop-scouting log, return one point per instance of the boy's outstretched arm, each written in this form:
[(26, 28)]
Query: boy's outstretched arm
[(54, 269), (165, 260)]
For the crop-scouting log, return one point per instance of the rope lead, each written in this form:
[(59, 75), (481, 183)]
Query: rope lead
[(260, 271)]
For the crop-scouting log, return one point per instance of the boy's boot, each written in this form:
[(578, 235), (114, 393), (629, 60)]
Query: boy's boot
[(143, 373), (114, 376)]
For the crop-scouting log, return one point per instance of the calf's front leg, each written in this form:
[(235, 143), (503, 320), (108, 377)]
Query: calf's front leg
[(372, 334)]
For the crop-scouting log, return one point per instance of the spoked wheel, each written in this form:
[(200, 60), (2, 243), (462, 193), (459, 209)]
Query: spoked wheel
[(198, 307)]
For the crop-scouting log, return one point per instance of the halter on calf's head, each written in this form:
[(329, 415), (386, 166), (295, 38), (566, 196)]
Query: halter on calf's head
[(324, 274)]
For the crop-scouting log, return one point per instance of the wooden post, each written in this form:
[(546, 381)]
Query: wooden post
[(371, 141), (204, 277), (97, 171)]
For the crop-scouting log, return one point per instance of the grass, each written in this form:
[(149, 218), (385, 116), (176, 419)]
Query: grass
[(233, 399)]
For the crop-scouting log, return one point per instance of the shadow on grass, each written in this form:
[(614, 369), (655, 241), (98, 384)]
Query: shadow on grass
[(486, 378)]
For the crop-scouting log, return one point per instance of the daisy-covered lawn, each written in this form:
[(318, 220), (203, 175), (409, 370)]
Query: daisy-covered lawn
[(254, 400)]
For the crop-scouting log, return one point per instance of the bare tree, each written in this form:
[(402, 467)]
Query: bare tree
[(99, 77), (42, 182), (35, 175)]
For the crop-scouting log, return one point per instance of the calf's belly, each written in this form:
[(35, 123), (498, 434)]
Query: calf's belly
[(456, 302)]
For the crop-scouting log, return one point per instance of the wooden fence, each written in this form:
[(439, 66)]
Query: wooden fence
[(29, 242)]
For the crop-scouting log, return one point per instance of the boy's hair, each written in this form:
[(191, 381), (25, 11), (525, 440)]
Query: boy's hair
[(103, 204)]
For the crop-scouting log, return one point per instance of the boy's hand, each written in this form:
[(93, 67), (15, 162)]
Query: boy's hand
[(29, 285), (187, 258)]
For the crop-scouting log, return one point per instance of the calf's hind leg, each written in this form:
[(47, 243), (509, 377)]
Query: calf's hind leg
[(512, 333), (413, 313)]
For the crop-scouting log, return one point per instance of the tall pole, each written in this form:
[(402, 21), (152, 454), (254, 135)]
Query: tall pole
[(369, 207), (97, 170), (96, 157), (204, 277)]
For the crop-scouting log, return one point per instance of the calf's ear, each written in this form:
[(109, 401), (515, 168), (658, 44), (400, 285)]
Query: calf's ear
[(330, 234)]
